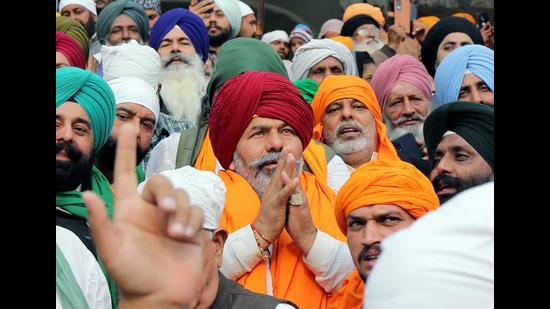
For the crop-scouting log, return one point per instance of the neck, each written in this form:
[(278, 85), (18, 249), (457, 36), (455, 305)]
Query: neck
[(357, 159)]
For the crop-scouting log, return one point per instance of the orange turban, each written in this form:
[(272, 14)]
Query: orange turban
[(336, 87), (468, 16), (346, 40), (367, 9), (429, 21), (386, 182)]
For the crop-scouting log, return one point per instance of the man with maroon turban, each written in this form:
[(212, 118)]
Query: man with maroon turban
[(284, 240), (68, 52)]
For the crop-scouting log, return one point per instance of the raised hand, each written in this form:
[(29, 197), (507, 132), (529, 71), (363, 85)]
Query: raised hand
[(151, 247), (271, 218), (201, 8)]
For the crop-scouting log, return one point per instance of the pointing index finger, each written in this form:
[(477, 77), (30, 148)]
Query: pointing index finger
[(125, 178)]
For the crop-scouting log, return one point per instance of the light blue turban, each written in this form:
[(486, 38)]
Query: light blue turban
[(474, 58)]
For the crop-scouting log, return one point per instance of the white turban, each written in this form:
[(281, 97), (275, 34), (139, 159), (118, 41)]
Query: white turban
[(204, 189), (130, 89), (245, 9), (232, 11), (311, 53), (131, 59), (274, 36), (88, 4)]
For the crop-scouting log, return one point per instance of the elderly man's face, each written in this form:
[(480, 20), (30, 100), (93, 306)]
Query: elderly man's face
[(349, 127), (123, 30), (367, 227), (473, 89), (259, 148), (451, 42), (248, 26), (406, 110), (74, 146), (176, 41), (458, 166), (219, 28), (280, 47), (326, 67)]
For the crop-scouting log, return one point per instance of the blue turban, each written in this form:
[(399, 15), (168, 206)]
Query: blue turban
[(93, 94), (190, 23), (477, 59), (117, 8)]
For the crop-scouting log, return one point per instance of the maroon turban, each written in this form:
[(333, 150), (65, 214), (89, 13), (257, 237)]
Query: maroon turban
[(69, 47), (265, 94)]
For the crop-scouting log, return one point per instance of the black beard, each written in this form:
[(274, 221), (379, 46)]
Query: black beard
[(363, 255), (218, 40), (458, 183), (90, 28), (77, 171), (106, 157)]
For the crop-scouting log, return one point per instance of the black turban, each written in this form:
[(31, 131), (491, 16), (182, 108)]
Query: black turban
[(474, 122), (349, 27)]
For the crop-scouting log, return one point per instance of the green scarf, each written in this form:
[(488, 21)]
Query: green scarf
[(72, 202), (67, 287)]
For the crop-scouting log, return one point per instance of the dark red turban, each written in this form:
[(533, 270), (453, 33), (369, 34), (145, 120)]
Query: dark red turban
[(69, 47), (265, 94)]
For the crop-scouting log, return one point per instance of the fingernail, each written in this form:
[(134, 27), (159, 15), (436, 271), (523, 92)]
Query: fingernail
[(177, 228), (189, 231), (168, 203)]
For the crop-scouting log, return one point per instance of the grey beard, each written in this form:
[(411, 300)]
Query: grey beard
[(183, 85), (257, 178), (395, 132), (346, 147)]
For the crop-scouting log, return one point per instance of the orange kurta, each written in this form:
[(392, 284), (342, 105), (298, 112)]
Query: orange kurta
[(350, 296), (291, 278)]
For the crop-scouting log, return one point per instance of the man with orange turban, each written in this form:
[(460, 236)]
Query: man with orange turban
[(379, 199), (284, 240), (347, 117)]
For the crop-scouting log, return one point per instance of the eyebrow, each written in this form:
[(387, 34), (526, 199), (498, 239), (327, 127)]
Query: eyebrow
[(83, 121), (132, 113), (262, 127)]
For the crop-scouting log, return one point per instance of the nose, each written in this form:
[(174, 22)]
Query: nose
[(476, 96), (444, 166), (408, 108), (64, 133), (371, 234), (125, 35), (346, 110), (275, 143)]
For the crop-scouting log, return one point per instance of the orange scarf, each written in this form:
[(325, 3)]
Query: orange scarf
[(291, 278), (336, 87), (350, 296), (314, 157)]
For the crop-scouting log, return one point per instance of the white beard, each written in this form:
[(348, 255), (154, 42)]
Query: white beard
[(396, 132), (183, 85)]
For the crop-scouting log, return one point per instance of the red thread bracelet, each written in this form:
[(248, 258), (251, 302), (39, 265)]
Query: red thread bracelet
[(260, 234)]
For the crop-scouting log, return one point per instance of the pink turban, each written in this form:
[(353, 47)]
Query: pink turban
[(404, 68)]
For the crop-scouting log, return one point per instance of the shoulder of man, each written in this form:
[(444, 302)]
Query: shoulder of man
[(232, 295)]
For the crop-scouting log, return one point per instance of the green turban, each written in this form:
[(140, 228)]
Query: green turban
[(242, 55), (93, 94), (308, 88), (474, 122), (76, 31), (117, 8)]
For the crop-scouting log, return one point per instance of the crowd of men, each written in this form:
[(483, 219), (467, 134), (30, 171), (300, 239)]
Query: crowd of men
[(199, 165)]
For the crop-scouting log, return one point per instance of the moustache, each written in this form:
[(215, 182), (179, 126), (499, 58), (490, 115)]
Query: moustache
[(269, 158), (369, 250), (403, 119), (70, 149), (447, 181)]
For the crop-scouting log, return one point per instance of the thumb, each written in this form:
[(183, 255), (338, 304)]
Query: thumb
[(103, 231)]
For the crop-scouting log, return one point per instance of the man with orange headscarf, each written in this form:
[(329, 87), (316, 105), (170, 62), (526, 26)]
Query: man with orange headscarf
[(284, 240), (347, 117), (379, 199)]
